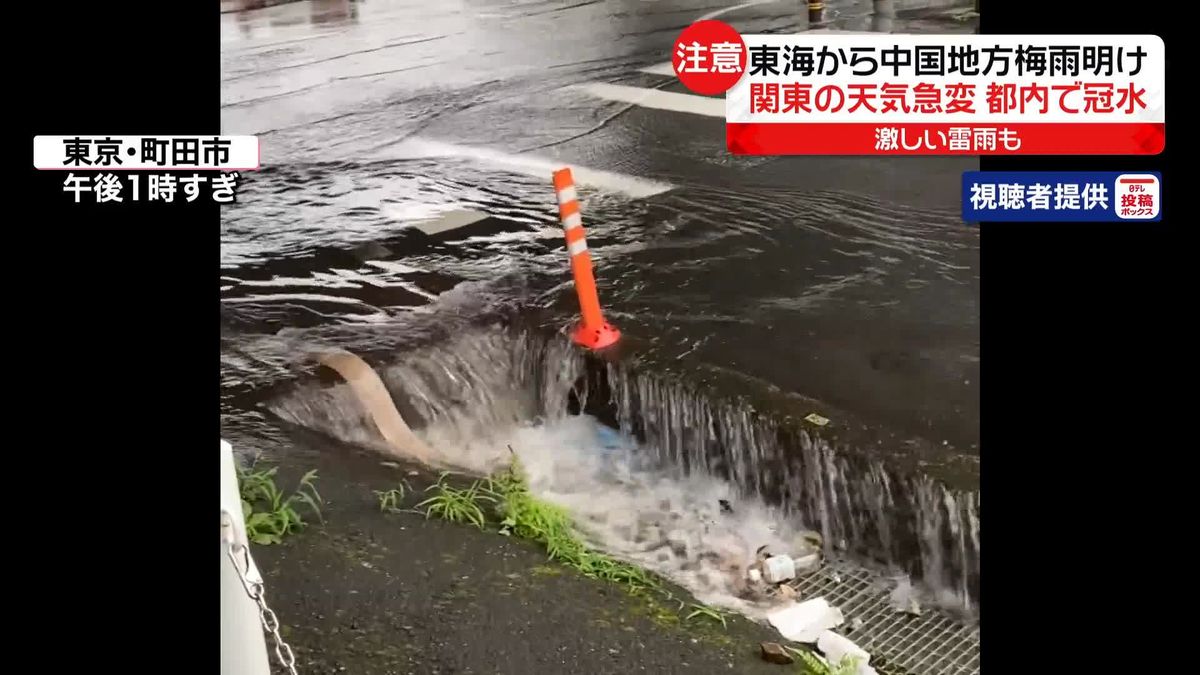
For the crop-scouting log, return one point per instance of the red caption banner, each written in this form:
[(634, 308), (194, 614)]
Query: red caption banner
[(881, 94)]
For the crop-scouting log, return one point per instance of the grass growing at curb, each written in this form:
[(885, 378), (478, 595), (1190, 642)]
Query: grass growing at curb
[(270, 514), (701, 611), (810, 664), (528, 517), (455, 505), (518, 512), (389, 500)]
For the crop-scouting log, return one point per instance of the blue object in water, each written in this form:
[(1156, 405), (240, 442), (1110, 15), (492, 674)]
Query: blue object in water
[(610, 439)]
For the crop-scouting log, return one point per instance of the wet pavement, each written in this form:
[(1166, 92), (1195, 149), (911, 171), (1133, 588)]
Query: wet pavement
[(355, 595), (846, 280)]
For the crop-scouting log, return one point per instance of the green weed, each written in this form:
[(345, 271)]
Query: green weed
[(517, 512), (270, 514), (528, 517), (389, 500), (811, 664), (701, 611), (454, 504)]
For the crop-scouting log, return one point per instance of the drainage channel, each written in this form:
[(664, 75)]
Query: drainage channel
[(932, 642), (866, 498), (877, 515)]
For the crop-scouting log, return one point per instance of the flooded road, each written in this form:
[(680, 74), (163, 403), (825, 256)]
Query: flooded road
[(847, 281), (854, 272)]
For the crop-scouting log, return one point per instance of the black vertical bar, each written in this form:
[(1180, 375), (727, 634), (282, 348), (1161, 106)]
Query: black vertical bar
[(1082, 360), (112, 318)]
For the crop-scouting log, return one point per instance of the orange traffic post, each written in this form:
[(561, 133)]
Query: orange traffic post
[(593, 331), (815, 9)]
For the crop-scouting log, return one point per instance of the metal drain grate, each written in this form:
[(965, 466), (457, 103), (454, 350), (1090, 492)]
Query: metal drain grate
[(931, 644)]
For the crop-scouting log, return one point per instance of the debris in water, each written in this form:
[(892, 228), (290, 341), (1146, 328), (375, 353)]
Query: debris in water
[(762, 553), (836, 648), (805, 621), (778, 569), (756, 593), (414, 472), (807, 564), (725, 507), (814, 539), (817, 419), (773, 652), (390, 465), (787, 592), (904, 598), (610, 439)]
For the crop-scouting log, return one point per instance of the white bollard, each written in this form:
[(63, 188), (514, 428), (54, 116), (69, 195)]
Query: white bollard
[(243, 645)]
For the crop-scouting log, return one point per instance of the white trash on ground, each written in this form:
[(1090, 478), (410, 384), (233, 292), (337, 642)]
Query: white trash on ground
[(778, 569), (805, 621), (807, 564), (837, 647)]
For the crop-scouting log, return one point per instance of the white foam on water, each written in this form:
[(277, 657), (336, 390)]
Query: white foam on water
[(287, 297), (472, 396), (671, 524)]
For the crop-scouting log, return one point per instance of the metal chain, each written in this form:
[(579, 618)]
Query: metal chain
[(269, 621)]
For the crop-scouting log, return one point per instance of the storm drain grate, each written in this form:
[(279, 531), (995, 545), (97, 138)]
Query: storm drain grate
[(930, 644)]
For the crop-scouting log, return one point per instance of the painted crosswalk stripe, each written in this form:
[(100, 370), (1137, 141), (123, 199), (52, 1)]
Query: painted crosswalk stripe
[(451, 220), (529, 165), (659, 69), (653, 98)]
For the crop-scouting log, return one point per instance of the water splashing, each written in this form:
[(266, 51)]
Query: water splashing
[(653, 495)]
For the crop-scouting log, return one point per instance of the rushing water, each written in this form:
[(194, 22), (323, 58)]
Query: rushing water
[(657, 501), (847, 280)]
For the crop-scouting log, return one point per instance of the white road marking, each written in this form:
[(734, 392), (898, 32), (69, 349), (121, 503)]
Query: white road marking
[(539, 167), (451, 220), (653, 98), (660, 69), (726, 10)]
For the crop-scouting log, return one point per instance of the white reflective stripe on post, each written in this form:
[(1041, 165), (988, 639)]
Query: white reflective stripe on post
[(567, 194), (243, 645), (577, 247), (572, 221)]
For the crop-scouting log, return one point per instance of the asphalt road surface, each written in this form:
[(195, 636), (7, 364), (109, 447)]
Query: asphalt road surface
[(848, 280)]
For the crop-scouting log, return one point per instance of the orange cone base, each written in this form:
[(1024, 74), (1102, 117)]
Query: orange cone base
[(596, 338)]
